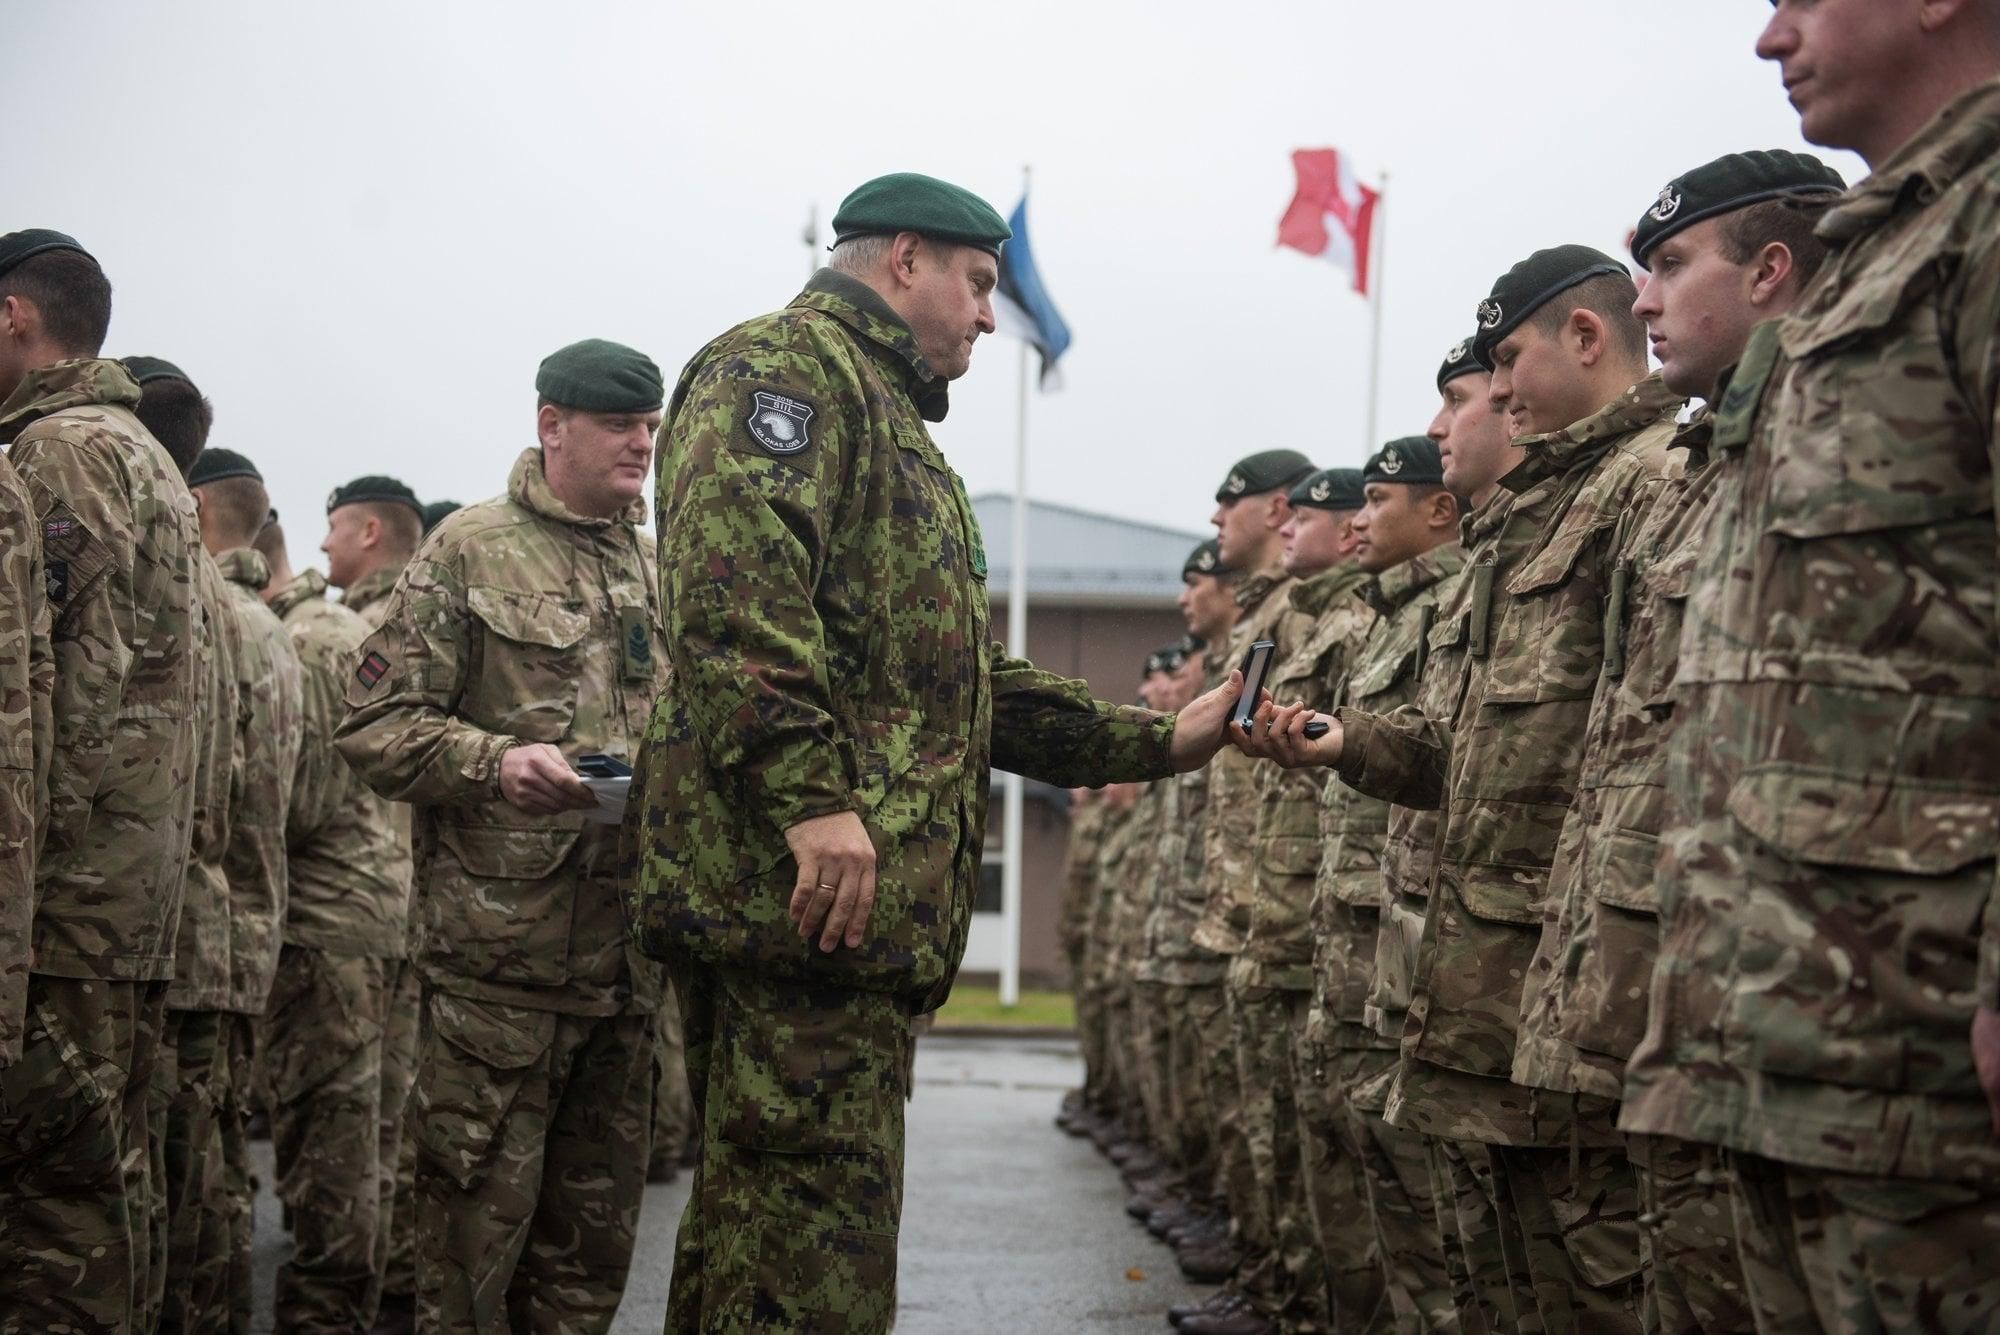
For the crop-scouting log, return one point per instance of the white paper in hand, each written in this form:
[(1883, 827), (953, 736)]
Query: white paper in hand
[(610, 799)]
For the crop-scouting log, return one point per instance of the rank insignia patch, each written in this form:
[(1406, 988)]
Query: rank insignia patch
[(373, 668), (780, 424)]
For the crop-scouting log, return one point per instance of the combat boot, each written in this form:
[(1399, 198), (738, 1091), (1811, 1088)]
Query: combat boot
[(1222, 1300), (1244, 1320)]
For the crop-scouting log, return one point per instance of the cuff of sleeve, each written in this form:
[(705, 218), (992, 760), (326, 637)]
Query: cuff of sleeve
[(482, 761), (798, 782), (1156, 746), (1357, 732)]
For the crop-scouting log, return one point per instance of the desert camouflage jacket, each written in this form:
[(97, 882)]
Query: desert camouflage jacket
[(369, 595), (26, 667), (202, 942), (1079, 894), (826, 586)]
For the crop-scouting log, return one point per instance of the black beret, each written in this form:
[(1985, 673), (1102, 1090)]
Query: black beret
[(1265, 471), (1731, 182), (1458, 361), (213, 465), (913, 202), (435, 512), (1330, 489), (1531, 285), (1410, 460), (31, 241), (601, 377), (374, 487), (153, 368), (1204, 560)]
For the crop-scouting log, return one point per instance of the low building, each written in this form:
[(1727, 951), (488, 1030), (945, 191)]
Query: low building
[(1101, 596)]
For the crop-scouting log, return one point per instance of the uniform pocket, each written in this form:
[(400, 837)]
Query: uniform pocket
[(1615, 945), (498, 903), (477, 1061), (51, 1090), (528, 687), (1550, 644)]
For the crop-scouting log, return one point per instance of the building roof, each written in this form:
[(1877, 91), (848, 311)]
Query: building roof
[(1077, 558)]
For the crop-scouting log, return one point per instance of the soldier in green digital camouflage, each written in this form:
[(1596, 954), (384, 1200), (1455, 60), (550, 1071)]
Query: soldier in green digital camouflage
[(1525, 642), (374, 525), (117, 537), (525, 634), (1826, 1004), (208, 1128), (816, 774), (329, 1019), (1729, 244), (1406, 545)]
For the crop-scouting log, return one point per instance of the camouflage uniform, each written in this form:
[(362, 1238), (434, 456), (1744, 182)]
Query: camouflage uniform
[(826, 584), (1103, 1090), (1264, 600), (1519, 653), (345, 925), (26, 666), (1127, 878), (1308, 1178), (518, 621), (1352, 1063), (396, 1151), (1826, 869), (117, 540)]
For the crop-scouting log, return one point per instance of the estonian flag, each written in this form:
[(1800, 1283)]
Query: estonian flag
[(1022, 307)]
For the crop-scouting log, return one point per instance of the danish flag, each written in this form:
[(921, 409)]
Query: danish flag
[(1332, 215)]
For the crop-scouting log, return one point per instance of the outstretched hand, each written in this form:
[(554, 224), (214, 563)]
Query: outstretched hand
[(1278, 733), (1200, 729)]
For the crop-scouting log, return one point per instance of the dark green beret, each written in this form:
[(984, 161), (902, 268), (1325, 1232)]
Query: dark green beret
[(1731, 182), (913, 202), (1411, 460), (374, 487), (1458, 361), (1531, 285), (1168, 659), (31, 241), (1265, 471), (213, 465), (601, 377), (1330, 489), (1204, 560), (153, 368), (435, 512)]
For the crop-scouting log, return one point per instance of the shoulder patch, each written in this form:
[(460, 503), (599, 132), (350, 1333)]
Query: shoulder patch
[(56, 575), (373, 668), (780, 423)]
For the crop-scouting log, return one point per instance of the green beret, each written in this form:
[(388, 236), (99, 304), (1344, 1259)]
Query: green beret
[(374, 487), (1731, 182), (913, 202), (435, 512), (1458, 361), (1204, 560), (1168, 659), (1330, 489), (601, 377), (153, 368), (1413, 461), (32, 241), (1265, 471), (1531, 285), (213, 465)]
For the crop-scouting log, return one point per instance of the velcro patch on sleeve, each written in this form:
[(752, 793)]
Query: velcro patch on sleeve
[(373, 668)]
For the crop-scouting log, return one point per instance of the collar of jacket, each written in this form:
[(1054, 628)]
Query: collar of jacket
[(245, 566), (862, 309), (1322, 592), (528, 487), (1485, 521), (1254, 589), (1955, 141), (371, 588), (70, 384), (1694, 436), (1558, 452), (1398, 584), (303, 589)]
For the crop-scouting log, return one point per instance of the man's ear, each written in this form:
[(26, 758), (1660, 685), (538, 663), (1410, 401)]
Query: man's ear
[(548, 426), (371, 532), (1586, 335), (903, 252), (1278, 510), (1773, 267), (1443, 512), (18, 316)]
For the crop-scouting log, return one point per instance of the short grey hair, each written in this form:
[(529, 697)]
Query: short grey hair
[(860, 255)]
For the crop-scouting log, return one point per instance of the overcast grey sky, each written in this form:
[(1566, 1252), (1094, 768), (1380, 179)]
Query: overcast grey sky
[(359, 226)]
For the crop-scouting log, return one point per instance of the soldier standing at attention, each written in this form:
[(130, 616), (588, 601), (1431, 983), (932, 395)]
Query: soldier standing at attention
[(1826, 1006), (208, 1134), (117, 536), (816, 774), (1729, 244), (525, 634), (1568, 363), (374, 525), (329, 1017)]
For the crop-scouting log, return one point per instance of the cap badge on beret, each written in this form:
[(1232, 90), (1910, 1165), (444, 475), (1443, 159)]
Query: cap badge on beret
[(779, 423), (332, 499), (1392, 462), (1668, 206), (1236, 485), (1205, 561), (1458, 350), (1489, 314), (1321, 490)]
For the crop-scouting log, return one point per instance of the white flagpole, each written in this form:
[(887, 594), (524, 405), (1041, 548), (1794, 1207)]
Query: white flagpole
[(1378, 268), (1017, 645), (811, 238)]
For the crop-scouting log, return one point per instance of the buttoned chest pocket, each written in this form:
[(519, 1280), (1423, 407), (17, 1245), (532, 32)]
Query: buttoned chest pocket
[(1877, 433), (1664, 587), (1550, 642), (932, 585), (1443, 672), (530, 663)]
